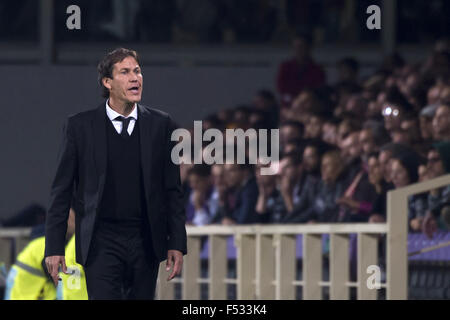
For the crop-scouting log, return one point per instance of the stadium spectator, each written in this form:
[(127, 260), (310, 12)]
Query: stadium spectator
[(371, 138), (242, 192), (290, 130), (299, 72), (426, 122), (441, 123), (376, 178), (270, 204), (321, 204), (404, 171), (201, 205), (348, 69), (438, 164), (313, 127)]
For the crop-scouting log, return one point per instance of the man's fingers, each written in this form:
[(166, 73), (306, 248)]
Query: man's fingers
[(172, 274), (179, 266), (55, 277), (169, 262), (49, 267), (176, 268), (63, 263)]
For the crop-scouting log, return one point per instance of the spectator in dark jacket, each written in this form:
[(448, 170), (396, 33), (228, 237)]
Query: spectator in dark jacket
[(243, 194), (270, 205), (405, 171), (438, 164), (320, 203)]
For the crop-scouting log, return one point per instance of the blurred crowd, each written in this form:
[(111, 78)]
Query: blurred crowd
[(224, 21), (343, 146)]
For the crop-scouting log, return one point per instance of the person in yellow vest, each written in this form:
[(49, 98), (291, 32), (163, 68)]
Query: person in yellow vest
[(28, 278)]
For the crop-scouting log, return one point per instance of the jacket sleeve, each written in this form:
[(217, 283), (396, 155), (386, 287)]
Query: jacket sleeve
[(61, 194), (174, 197)]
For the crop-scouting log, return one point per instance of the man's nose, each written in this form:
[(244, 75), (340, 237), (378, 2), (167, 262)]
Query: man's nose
[(133, 77)]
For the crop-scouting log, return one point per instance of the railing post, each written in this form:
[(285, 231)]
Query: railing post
[(217, 267), (265, 267), (397, 240), (5, 252), (312, 266), (367, 256), (245, 266), (191, 270), (339, 266), (285, 266), (20, 243)]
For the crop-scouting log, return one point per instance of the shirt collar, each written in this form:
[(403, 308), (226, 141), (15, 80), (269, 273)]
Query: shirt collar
[(112, 115)]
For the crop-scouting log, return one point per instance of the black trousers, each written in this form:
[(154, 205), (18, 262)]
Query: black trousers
[(121, 264)]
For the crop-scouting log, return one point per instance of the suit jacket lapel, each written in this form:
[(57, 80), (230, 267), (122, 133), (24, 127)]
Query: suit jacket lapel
[(146, 132), (99, 130)]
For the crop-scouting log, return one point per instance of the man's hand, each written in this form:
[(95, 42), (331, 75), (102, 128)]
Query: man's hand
[(52, 263), (175, 260), (346, 201), (228, 221)]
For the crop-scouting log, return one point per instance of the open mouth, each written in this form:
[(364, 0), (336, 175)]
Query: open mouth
[(134, 90)]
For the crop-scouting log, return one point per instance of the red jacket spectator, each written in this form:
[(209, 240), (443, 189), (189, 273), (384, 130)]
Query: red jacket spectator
[(293, 77)]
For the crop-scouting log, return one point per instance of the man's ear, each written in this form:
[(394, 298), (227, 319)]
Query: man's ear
[(106, 82)]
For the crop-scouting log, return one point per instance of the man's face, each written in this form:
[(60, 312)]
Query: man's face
[(392, 117), (385, 163), (400, 177), (233, 175), (426, 128), (367, 141), (331, 168), (126, 83), (310, 159), (329, 133), (435, 166), (441, 122), (375, 171), (218, 175), (433, 94), (199, 183), (301, 48), (313, 128), (289, 132), (351, 147)]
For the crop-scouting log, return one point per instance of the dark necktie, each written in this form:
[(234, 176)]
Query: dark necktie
[(125, 123)]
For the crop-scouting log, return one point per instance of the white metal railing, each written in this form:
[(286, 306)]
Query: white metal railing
[(266, 256), (266, 261)]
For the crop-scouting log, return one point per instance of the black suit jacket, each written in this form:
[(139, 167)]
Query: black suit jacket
[(81, 171)]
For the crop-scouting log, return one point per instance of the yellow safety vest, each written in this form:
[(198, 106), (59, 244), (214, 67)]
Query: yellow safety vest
[(72, 286), (26, 279)]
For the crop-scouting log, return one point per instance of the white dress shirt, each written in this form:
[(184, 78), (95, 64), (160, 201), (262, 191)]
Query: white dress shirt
[(112, 115)]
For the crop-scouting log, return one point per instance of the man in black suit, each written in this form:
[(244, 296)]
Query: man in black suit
[(116, 161)]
